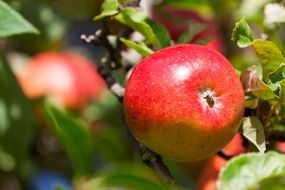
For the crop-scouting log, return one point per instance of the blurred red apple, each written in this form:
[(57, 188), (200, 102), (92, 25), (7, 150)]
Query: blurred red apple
[(235, 146), (210, 173), (69, 78), (185, 102), (179, 20), (281, 146)]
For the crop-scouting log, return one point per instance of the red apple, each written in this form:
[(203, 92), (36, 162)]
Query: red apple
[(178, 20), (69, 78), (235, 147), (210, 174), (185, 102), (281, 146)]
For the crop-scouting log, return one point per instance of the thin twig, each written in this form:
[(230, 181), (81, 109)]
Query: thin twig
[(276, 136), (149, 157), (223, 155), (152, 160), (114, 54), (100, 38), (133, 3), (155, 161)]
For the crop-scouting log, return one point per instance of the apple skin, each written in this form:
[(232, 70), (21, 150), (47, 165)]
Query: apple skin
[(166, 104), (210, 174), (177, 20), (281, 146), (69, 78), (235, 146), (197, 169)]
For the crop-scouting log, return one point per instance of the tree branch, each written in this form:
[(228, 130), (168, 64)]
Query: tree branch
[(155, 161), (223, 155), (133, 3), (107, 64), (277, 135)]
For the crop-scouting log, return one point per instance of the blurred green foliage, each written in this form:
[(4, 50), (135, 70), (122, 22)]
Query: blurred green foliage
[(16, 123)]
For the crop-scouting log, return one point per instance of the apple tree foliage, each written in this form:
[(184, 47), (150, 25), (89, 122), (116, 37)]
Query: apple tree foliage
[(255, 50), (15, 112)]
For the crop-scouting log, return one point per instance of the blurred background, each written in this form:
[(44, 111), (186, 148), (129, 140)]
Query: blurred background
[(60, 127)]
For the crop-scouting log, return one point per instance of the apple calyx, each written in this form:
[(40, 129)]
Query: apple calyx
[(207, 97)]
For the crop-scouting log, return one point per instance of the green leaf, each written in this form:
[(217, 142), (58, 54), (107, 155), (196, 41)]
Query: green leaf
[(282, 84), (185, 37), (242, 34), (74, 136), (249, 170), (193, 29), (160, 32), (140, 47), (109, 8), (110, 145), (277, 80), (7, 161), (138, 21), (253, 130), (118, 180), (269, 55), (178, 172), (200, 5), (278, 74), (126, 175), (273, 183), (205, 40), (12, 23), (123, 180), (276, 88), (243, 60), (252, 84), (15, 122), (131, 168)]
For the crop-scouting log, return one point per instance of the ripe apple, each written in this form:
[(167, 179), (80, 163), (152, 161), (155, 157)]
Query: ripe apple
[(69, 78), (281, 146), (185, 102), (195, 169), (210, 174), (178, 20), (235, 147)]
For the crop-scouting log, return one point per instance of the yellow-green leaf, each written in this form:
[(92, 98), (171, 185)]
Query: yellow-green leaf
[(269, 55), (242, 34), (140, 47), (109, 8)]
